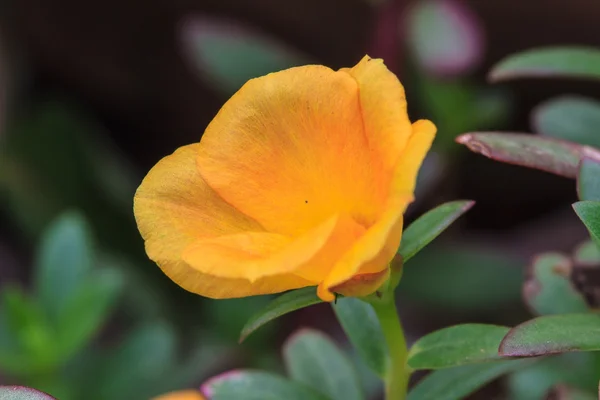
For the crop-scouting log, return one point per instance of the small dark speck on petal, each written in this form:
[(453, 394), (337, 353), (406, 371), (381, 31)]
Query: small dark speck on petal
[(306, 201)]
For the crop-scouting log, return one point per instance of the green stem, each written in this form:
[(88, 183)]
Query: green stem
[(396, 381)]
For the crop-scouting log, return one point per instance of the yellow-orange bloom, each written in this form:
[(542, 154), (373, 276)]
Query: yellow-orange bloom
[(300, 180), (181, 395)]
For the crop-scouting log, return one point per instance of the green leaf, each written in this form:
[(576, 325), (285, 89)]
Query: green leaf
[(228, 54), (28, 324), (22, 393), (430, 225), (549, 290), (237, 311), (533, 381), (250, 385), (589, 213), (571, 62), (457, 345), (587, 253), (571, 118), (588, 180), (284, 304), (553, 334), (538, 152), (134, 369), (458, 382), (359, 321), (11, 359), (64, 260), (313, 359), (87, 311)]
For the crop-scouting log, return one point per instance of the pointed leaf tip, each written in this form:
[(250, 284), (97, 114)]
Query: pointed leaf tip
[(568, 61), (430, 225), (553, 334), (284, 304), (538, 152), (457, 345)]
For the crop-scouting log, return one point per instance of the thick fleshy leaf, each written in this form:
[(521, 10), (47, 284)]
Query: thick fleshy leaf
[(571, 118), (535, 380), (22, 393), (87, 310), (359, 321), (227, 55), (250, 385), (457, 345), (313, 359), (430, 225), (445, 36), (589, 213), (538, 152), (548, 289), (571, 62), (146, 356), (29, 325), (458, 382), (588, 180), (553, 334), (587, 254), (284, 304), (65, 258)]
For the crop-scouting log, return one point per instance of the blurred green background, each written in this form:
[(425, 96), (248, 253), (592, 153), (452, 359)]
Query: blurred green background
[(94, 93)]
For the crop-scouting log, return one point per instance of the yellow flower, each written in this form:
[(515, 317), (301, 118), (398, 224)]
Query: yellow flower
[(300, 180), (181, 395)]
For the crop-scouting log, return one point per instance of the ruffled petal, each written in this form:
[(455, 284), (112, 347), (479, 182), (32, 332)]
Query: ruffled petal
[(174, 207), (384, 109), (254, 255), (289, 150), (373, 252), (423, 133)]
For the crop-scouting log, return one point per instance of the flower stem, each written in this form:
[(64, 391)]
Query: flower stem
[(396, 380)]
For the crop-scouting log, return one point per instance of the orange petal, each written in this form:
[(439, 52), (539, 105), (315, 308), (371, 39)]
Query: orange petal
[(376, 248), (383, 105), (371, 253), (174, 207), (181, 395), (423, 133), (345, 233), (289, 150), (253, 255)]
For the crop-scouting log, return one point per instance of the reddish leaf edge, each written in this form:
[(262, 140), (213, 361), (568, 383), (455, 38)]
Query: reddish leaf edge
[(472, 142)]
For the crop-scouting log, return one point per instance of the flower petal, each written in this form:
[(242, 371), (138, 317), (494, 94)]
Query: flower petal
[(289, 150), (345, 233), (253, 255), (181, 395), (423, 133), (371, 253), (174, 207), (383, 105), (377, 247)]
